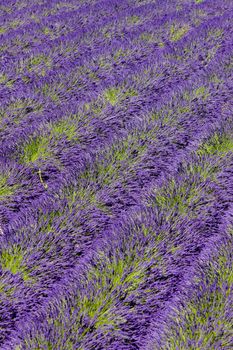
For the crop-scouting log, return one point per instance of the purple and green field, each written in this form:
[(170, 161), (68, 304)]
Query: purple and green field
[(116, 175)]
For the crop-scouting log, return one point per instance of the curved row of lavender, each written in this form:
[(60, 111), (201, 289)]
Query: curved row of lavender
[(116, 177)]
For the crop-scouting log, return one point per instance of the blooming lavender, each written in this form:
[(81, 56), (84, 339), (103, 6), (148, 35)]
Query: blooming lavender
[(116, 154)]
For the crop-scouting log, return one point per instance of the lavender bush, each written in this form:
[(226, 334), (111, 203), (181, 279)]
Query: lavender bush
[(116, 177)]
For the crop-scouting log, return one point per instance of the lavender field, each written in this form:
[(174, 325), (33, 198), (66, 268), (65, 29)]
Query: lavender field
[(116, 174)]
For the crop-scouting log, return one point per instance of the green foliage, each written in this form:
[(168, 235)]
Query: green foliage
[(204, 169), (66, 127), (16, 23), (130, 92), (112, 95), (18, 347), (26, 79), (203, 320), (147, 37), (218, 144), (176, 32), (48, 220), (10, 83), (35, 18), (36, 60), (216, 33), (7, 289), (5, 189), (12, 260), (177, 195), (120, 53), (3, 78), (215, 79), (184, 109), (39, 341), (83, 194), (133, 19), (37, 148), (201, 93), (107, 278), (47, 31)]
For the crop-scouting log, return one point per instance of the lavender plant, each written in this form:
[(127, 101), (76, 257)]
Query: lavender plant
[(116, 141)]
